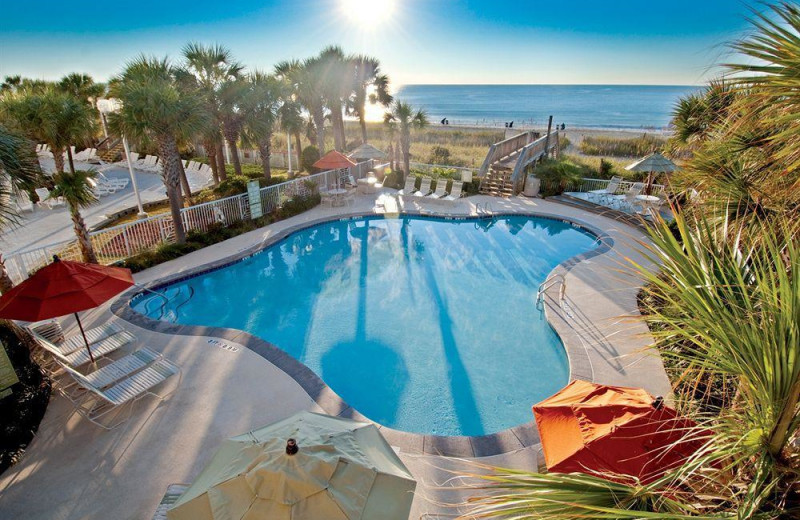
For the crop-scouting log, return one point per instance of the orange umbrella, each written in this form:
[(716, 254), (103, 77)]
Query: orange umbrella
[(333, 160), (602, 429)]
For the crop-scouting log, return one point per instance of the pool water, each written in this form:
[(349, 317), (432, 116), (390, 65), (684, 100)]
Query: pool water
[(421, 324)]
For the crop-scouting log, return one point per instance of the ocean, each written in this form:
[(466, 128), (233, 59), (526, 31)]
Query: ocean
[(584, 106)]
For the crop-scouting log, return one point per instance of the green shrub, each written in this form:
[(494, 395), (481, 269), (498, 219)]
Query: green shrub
[(558, 176), (606, 169), (439, 155), (309, 156)]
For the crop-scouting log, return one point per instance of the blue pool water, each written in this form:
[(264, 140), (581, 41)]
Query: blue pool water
[(421, 324)]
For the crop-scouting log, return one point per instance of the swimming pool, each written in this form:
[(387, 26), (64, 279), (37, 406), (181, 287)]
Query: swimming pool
[(422, 324)]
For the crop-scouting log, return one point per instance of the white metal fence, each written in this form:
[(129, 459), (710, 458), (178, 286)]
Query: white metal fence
[(587, 185), (126, 240)]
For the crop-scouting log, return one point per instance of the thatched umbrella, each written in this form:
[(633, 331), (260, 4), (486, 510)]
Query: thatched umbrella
[(366, 152), (653, 164)]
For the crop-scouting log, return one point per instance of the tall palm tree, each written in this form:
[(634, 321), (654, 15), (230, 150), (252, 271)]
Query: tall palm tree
[(19, 168), (338, 87), (156, 109), (260, 106), (405, 118), (306, 79), (210, 67), (368, 76), (54, 117), (82, 86), (78, 192), (292, 120), (232, 95)]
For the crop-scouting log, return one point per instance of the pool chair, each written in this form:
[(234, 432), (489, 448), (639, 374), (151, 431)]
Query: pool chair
[(100, 401), (410, 186), (609, 190), (99, 189), (100, 349), (441, 187), (173, 493), (455, 192), (116, 183), (46, 200), (424, 187), (23, 202), (627, 201)]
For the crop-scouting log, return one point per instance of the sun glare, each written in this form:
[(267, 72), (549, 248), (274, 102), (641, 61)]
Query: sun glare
[(368, 13)]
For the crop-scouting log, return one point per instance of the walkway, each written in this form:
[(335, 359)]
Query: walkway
[(46, 226), (73, 470)]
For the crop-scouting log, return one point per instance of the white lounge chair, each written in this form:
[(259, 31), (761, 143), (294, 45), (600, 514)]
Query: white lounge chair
[(99, 189), (93, 335), (441, 187), (410, 186), (609, 190), (424, 187), (46, 200), (80, 357), (627, 201), (109, 374), (455, 192), (23, 202), (101, 401), (116, 183)]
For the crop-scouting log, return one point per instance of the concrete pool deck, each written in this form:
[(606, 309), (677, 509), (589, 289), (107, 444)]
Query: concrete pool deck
[(74, 470)]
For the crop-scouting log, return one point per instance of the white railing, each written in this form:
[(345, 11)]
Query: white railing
[(125, 240), (587, 185)]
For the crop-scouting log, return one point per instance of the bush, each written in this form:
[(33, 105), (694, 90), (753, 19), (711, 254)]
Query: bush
[(439, 155), (606, 169), (22, 411), (558, 176), (309, 156)]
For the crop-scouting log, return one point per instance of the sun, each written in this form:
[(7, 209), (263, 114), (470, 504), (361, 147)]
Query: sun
[(368, 13)]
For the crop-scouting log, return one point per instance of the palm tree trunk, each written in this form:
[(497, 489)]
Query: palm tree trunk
[(237, 166), (338, 128), (6, 283), (319, 123), (71, 162), (264, 150), (187, 190), (391, 156), (170, 174), (211, 154), (84, 240), (363, 123), (58, 157), (406, 143), (223, 175), (297, 149)]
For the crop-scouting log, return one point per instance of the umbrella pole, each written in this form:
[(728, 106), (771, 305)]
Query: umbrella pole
[(80, 326)]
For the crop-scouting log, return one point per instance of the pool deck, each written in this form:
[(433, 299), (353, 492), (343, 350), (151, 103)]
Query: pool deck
[(74, 470)]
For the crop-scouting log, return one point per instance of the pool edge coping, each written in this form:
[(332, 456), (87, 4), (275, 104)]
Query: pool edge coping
[(505, 441)]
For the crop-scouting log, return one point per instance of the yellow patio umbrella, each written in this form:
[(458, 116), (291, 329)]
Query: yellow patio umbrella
[(652, 164), (308, 466)]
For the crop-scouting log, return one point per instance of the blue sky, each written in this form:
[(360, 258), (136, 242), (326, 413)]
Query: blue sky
[(673, 42)]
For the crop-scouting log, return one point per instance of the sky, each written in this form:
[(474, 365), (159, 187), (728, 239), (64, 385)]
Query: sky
[(652, 42)]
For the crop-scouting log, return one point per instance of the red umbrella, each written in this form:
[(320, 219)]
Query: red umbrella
[(587, 427), (333, 160), (61, 288)]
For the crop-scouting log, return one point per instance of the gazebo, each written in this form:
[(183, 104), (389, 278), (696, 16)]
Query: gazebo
[(366, 152), (652, 164)]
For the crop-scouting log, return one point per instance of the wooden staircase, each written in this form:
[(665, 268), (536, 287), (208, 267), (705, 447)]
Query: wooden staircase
[(110, 150), (497, 183)]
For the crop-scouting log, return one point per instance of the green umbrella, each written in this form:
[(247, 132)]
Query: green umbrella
[(653, 164), (308, 466)]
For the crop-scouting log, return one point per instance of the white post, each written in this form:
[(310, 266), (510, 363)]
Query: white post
[(289, 155), (141, 213)]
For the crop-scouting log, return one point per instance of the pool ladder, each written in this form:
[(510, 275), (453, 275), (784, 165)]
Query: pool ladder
[(486, 210), (164, 314), (550, 282)]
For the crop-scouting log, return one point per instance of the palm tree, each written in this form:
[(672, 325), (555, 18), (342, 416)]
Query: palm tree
[(82, 86), (19, 168), (78, 192), (210, 67), (54, 117), (405, 118), (306, 81), (292, 120), (260, 106), (232, 94), (154, 108), (338, 88), (368, 76)]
